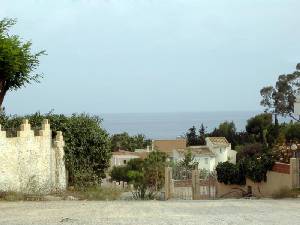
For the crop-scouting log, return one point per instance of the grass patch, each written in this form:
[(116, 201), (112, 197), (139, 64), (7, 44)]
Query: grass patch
[(94, 193), (286, 193), (11, 196)]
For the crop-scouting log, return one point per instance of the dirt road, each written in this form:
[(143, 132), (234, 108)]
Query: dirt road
[(152, 212)]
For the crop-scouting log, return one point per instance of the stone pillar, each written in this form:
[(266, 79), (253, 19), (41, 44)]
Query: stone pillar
[(60, 169), (168, 177), (195, 184), (294, 172)]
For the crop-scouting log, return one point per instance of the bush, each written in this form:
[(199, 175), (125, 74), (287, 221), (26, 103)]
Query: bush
[(119, 173), (147, 176), (254, 161), (229, 173)]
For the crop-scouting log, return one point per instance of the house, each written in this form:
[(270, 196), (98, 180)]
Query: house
[(222, 149), (201, 155), (216, 150), (122, 157)]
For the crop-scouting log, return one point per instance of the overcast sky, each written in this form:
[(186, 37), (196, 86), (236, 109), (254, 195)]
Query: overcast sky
[(154, 55)]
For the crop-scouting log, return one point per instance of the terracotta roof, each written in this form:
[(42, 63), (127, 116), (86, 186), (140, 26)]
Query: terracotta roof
[(198, 150), (168, 146), (218, 140)]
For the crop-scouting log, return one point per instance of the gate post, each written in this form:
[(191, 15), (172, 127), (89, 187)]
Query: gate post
[(195, 184), (168, 177), (294, 172)]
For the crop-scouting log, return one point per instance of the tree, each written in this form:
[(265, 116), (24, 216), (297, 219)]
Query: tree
[(293, 132), (192, 137), (147, 176), (16, 60), (258, 125), (279, 100), (228, 130), (202, 135), (188, 161), (124, 141)]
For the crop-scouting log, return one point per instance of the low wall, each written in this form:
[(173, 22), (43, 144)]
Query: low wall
[(32, 164), (282, 176)]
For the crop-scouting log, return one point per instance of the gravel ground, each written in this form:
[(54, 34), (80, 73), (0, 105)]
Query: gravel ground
[(241, 212)]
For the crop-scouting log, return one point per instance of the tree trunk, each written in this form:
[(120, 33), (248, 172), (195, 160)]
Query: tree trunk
[(3, 91)]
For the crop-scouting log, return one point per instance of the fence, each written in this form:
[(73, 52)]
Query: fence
[(192, 185)]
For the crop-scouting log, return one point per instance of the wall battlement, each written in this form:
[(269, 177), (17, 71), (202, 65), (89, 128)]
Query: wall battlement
[(32, 164)]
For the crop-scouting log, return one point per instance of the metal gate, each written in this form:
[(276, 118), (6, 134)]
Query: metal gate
[(204, 185), (181, 184), (189, 184)]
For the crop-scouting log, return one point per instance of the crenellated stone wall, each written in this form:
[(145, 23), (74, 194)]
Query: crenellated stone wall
[(32, 164)]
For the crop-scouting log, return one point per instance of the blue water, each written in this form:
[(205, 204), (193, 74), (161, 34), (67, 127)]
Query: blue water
[(170, 125)]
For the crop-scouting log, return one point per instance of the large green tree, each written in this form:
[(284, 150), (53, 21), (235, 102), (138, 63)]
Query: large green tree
[(258, 125), (17, 62), (124, 141), (279, 100)]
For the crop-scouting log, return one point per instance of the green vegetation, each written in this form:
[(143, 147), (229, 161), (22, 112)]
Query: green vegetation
[(253, 162), (147, 176), (16, 60), (94, 193), (279, 100), (124, 141), (87, 149)]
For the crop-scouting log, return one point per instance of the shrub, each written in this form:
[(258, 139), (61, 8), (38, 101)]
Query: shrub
[(229, 173), (147, 176)]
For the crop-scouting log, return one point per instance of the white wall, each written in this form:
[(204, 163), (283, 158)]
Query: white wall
[(32, 164), (118, 160)]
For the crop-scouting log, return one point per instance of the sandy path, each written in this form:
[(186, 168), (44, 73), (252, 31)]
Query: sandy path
[(152, 212)]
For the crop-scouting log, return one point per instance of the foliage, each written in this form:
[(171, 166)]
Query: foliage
[(258, 125), (192, 137), (227, 130), (279, 100), (293, 132), (202, 135), (147, 176), (16, 60), (124, 141), (196, 139), (87, 149), (229, 173), (95, 193), (188, 161), (253, 162)]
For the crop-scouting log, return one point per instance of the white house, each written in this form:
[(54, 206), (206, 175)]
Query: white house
[(122, 157), (216, 150)]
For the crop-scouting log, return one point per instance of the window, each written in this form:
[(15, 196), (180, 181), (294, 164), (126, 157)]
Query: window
[(220, 150), (124, 161), (206, 160)]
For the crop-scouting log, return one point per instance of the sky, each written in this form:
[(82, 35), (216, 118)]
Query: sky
[(123, 56)]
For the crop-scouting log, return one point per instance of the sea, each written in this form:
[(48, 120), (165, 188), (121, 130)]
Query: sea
[(171, 125)]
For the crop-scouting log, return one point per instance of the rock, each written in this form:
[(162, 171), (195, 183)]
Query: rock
[(71, 198)]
